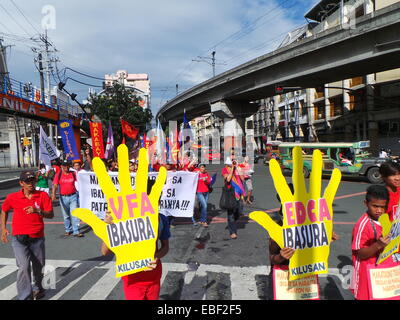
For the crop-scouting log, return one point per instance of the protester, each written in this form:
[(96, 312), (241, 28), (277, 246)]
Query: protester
[(248, 173), (68, 198), (145, 285), (133, 166), (202, 194), (77, 166), (87, 158), (42, 179), (233, 179), (188, 162), (367, 240), (383, 153), (28, 240), (112, 165), (56, 168), (390, 172)]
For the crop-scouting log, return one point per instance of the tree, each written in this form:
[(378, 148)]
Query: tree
[(119, 102)]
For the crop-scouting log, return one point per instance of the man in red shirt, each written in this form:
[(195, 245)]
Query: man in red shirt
[(203, 188), (30, 207), (68, 198)]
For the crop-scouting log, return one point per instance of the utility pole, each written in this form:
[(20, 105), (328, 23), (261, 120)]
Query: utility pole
[(40, 60), (213, 62), (207, 60), (46, 69)]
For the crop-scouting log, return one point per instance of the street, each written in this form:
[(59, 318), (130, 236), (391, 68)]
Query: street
[(203, 263)]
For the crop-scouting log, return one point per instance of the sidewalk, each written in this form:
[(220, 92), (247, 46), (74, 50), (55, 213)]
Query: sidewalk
[(9, 178), (12, 173)]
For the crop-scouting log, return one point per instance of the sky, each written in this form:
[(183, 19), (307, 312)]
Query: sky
[(156, 37)]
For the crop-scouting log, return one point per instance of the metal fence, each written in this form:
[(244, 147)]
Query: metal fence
[(28, 92)]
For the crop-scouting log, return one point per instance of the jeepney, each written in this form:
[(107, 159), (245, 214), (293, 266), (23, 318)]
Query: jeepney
[(352, 159)]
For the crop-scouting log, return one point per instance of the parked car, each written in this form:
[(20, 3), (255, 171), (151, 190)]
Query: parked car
[(352, 159)]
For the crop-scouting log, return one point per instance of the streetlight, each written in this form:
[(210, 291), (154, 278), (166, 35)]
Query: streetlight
[(73, 96)]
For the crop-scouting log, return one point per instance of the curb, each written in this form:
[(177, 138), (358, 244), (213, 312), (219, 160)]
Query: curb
[(8, 183)]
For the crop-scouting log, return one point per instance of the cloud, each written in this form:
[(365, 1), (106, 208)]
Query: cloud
[(155, 37)]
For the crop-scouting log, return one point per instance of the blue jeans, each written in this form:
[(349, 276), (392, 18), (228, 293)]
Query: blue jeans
[(203, 199), (30, 258), (233, 216), (69, 204)]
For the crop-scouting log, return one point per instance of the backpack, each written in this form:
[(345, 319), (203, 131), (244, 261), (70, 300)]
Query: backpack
[(73, 173), (51, 174)]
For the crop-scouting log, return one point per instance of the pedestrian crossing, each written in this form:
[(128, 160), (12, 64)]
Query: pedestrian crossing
[(95, 280)]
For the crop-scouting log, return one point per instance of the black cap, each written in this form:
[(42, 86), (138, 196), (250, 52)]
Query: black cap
[(26, 175), (66, 163)]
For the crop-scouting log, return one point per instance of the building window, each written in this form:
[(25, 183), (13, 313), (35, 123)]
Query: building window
[(319, 111)]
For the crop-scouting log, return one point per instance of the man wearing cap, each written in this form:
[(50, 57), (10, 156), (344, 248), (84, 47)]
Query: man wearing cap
[(68, 198), (30, 207)]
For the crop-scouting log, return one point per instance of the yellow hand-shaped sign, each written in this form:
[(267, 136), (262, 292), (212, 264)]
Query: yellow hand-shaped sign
[(133, 235), (307, 218), (392, 228)]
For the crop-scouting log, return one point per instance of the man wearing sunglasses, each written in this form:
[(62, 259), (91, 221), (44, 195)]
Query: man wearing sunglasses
[(30, 207)]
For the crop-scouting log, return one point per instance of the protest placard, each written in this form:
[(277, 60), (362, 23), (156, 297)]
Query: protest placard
[(384, 282), (301, 289), (307, 216), (133, 232), (177, 198)]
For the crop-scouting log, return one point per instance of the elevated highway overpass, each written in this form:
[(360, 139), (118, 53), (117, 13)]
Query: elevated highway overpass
[(373, 45)]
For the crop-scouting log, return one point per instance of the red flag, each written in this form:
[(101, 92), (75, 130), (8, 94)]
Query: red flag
[(96, 130), (129, 130), (147, 143)]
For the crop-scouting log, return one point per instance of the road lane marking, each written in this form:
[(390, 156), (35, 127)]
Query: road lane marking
[(102, 287), (243, 279)]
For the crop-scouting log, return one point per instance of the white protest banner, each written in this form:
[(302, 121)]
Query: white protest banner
[(177, 198), (47, 150)]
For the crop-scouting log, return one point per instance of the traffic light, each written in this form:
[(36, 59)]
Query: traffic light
[(279, 89)]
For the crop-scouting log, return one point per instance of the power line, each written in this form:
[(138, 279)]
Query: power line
[(84, 74), (259, 46), (20, 11), (5, 27), (86, 84), (6, 11), (237, 35), (248, 25)]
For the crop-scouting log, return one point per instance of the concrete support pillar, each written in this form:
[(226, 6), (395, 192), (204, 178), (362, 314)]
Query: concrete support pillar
[(327, 104), (310, 93), (373, 137), (12, 134), (16, 154), (346, 96), (349, 132), (234, 114), (368, 6), (371, 126), (51, 132)]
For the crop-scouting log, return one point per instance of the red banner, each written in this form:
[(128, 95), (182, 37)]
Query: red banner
[(96, 131), (27, 108), (129, 130)]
